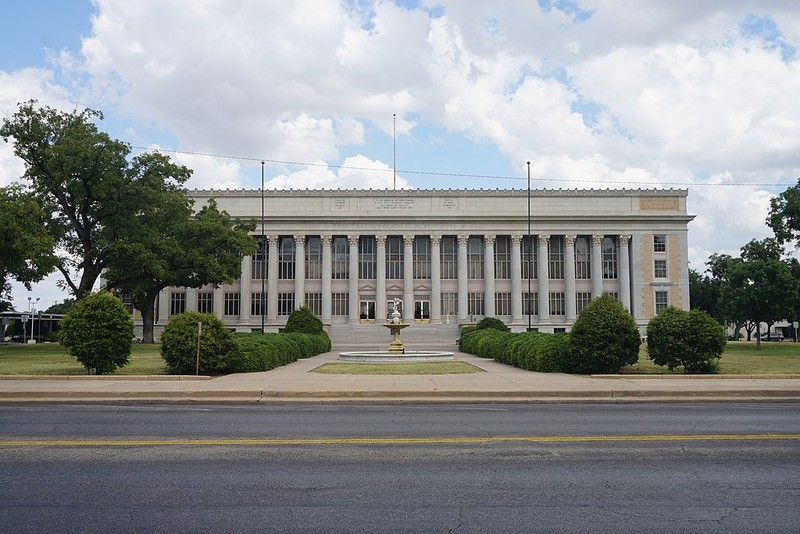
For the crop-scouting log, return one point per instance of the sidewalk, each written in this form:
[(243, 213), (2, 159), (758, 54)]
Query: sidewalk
[(496, 383)]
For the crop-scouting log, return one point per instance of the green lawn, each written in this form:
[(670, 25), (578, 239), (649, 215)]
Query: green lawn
[(50, 359), (739, 358)]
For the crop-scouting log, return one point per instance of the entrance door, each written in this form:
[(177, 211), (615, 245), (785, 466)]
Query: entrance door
[(422, 311), (366, 311)]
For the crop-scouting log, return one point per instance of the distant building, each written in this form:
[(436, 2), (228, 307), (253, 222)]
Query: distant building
[(451, 256)]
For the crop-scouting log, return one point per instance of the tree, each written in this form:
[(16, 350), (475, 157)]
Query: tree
[(691, 339), (604, 338), (85, 183), (62, 307), (784, 215), (165, 246), (704, 294), (492, 322), (26, 249), (98, 331), (304, 321), (219, 352)]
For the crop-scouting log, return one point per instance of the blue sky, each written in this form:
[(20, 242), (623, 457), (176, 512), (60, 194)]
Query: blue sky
[(696, 95)]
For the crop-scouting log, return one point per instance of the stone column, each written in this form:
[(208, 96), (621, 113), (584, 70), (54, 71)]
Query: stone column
[(299, 270), (352, 280), (544, 278), (569, 277), (219, 302), (436, 279), (516, 279), (272, 280), (488, 276), (244, 291), (163, 306), (191, 299), (597, 266), (624, 272), (380, 274), (408, 278), (327, 306), (463, 308)]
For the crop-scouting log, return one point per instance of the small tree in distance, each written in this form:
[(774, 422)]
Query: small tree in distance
[(691, 339), (604, 338), (98, 331), (303, 320)]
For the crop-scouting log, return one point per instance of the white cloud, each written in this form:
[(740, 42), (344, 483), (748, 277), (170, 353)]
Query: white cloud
[(357, 172)]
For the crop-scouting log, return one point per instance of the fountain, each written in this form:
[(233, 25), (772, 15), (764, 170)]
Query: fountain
[(396, 352)]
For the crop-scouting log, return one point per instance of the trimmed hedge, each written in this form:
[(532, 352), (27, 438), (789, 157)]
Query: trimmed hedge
[(533, 351), (263, 352)]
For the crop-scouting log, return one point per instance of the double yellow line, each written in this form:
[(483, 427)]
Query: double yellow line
[(111, 442)]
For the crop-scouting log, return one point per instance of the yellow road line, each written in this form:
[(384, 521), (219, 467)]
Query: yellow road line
[(386, 441)]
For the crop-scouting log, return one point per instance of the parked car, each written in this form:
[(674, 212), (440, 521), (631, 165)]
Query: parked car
[(771, 337)]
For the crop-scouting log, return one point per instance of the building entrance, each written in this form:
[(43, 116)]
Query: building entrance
[(422, 311), (366, 311)]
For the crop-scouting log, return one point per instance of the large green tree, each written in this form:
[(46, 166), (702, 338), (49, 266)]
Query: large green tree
[(26, 248), (85, 183), (784, 215)]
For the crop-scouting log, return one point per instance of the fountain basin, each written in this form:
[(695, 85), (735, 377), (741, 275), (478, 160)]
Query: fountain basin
[(377, 356)]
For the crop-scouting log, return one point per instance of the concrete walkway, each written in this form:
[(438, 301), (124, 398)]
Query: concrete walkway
[(494, 383)]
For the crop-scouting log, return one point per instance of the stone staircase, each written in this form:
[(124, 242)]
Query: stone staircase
[(377, 336)]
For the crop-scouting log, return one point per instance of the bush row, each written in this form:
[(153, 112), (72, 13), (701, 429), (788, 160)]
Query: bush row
[(262, 352), (533, 351)]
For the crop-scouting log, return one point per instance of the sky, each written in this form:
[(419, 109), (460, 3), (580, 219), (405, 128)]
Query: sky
[(460, 94)]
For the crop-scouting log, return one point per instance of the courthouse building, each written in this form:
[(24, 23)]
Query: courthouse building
[(451, 257)]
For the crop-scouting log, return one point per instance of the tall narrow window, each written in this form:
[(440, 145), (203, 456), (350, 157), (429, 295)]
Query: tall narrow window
[(449, 305), (340, 304), (367, 254), (475, 304), (258, 265), (314, 302), (529, 257), (449, 257), (340, 256), (394, 257), (610, 258), (285, 303), (177, 302), (286, 262), (662, 301), (422, 257), (555, 252), (231, 302), (530, 303), (660, 268), (659, 243), (581, 300), (205, 302), (502, 258), (258, 304), (557, 303), (475, 258), (313, 258), (502, 303), (583, 257)]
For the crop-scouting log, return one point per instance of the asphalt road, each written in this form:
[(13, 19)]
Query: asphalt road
[(401, 468)]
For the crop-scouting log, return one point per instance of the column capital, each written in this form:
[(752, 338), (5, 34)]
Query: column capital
[(624, 240), (569, 239), (436, 240), (353, 240), (380, 239), (326, 239), (463, 239), (489, 239), (544, 239), (300, 240), (516, 240), (272, 240), (597, 239), (408, 239)]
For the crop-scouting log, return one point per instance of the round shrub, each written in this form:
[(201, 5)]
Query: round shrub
[(303, 321), (98, 331), (604, 338), (492, 322), (692, 339), (219, 353)]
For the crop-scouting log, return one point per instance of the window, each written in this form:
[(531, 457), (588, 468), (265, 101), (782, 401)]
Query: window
[(394, 257), (660, 269), (258, 304), (205, 302), (286, 258), (285, 303), (581, 300), (659, 243), (127, 301), (613, 294), (502, 258), (528, 248), (449, 257), (662, 301), (422, 257), (231, 304), (177, 302), (449, 304), (557, 304), (475, 258), (314, 302), (367, 255), (583, 258), (258, 261), (340, 304), (502, 303), (340, 256), (474, 303), (314, 258), (555, 253), (530, 303), (609, 258)]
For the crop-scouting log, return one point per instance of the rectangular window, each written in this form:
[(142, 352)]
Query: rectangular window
[(475, 258), (340, 304), (583, 258), (258, 304), (502, 303), (127, 301), (449, 305), (662, 301), (232, 301), (555, 253), (613, 294), (581, 300), (177, 302), (314, 302), (394, 257), (285, 303), (340, 257), (610, 258), (422, 257), (286, 261), (258, 261), (529, 254), (557, 305), (449, 257), (314, 258), (530, 303), (475, 304), (205, 302), (367, 255), (659, 243), (502, 258), (660, 269)]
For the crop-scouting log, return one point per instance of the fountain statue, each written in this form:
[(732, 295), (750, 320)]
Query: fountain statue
[(394, 325)]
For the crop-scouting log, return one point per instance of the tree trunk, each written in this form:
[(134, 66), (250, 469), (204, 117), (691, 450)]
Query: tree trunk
[(148, 316)]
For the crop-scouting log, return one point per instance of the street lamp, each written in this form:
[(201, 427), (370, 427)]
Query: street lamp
[(31, 312), (530, 248), (263, 247)]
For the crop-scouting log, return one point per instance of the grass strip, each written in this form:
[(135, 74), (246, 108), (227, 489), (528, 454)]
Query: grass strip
[(418, 368)]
